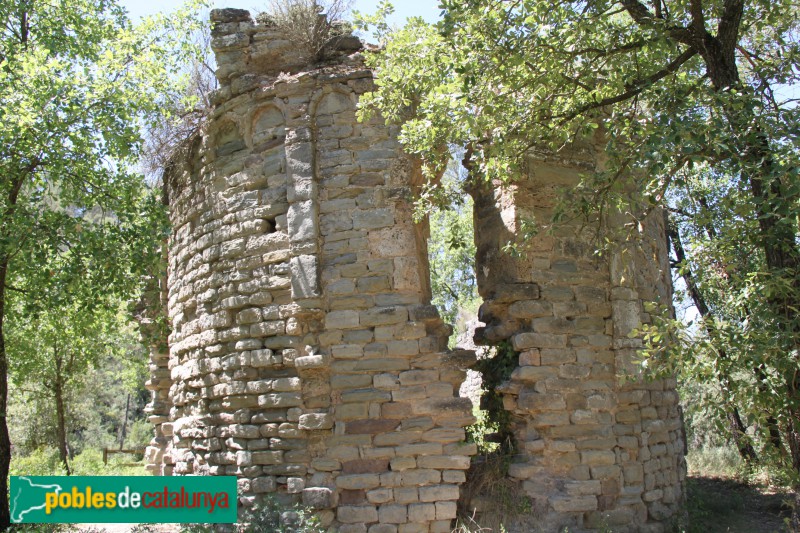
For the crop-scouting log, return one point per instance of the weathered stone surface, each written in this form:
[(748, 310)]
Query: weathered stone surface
[(315, 421), (305, 282), (319, 498), (371, 426), (305, 356), (361, 514)]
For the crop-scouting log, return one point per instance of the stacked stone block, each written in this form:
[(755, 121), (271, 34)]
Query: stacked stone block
[(305, 357), (599, 446), (158, 408)]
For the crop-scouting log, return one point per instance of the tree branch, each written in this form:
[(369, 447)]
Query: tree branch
[(638, 11), (642, 16), (16, 289), (729, 23), (635, 87), (698, 20)]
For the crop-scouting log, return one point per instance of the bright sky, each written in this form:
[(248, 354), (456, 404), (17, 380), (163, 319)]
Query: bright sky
[(428, 9)]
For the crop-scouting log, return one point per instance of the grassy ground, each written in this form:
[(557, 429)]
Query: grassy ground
[(721, 496), (727, 505)]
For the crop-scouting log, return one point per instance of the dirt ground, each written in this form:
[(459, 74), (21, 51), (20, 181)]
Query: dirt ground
[(726, 505), (715, 505)]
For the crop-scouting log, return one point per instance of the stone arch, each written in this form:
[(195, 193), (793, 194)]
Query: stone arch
[(267, 127), (227, 138), (331, 102)]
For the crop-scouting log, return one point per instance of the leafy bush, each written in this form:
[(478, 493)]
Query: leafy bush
[(496, 370), (140, 434), (273, 517), (41, 462), (45, 462), (90, 463), (715, 461)]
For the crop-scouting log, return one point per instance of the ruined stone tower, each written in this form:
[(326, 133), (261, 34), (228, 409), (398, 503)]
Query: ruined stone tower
[(305, 357)]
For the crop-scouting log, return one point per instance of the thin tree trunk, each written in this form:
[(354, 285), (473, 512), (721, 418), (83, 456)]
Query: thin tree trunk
[(739, 432), (61, 424), (5, 441), (124, 427), (735, 424)]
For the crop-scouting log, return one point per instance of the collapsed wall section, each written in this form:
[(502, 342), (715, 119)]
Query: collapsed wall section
[(599, 446), (305, 357)]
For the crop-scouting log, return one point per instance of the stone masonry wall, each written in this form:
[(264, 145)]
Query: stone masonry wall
[(305, 357), (599, 447)]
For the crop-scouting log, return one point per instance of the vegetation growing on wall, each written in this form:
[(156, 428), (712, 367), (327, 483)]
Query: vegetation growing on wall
[(495, 371), (312, 25)]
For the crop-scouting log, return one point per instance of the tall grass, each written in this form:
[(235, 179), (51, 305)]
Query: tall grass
[(715, 461)]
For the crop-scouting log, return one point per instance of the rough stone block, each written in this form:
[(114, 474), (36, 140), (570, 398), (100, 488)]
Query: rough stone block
[(284, 399), (438, 493), (357, 514), (373, 218), (358, 481), (381, 495), (371, 426), (534, 401), (319, 498), (316, 421), (268, 329), (263, 484), (420, 476), (380, 316), (450, 462), (342, 319), (524, 341), (305, 277), (302, 221), (574, 504), (510, 292), (446, 510), (421, 512), (267, 458), (393, 514)]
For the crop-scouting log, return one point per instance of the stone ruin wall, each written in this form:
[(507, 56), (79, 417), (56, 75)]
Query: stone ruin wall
[(599, 446), (305, 357)]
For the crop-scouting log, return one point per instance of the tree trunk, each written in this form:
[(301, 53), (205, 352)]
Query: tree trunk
[(773, 200), (123, 429), (735, 424), (5, 441), (739, 432), (61, 424)]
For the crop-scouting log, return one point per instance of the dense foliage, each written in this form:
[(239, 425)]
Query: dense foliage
[(451, 251), (694, 105), (78, 225)]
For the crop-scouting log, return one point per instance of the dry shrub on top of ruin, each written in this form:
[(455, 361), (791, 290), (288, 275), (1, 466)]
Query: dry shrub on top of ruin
[(313, 26)]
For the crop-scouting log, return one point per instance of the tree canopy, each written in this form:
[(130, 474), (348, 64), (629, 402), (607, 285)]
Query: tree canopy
[(696, 102), (78, 224)]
